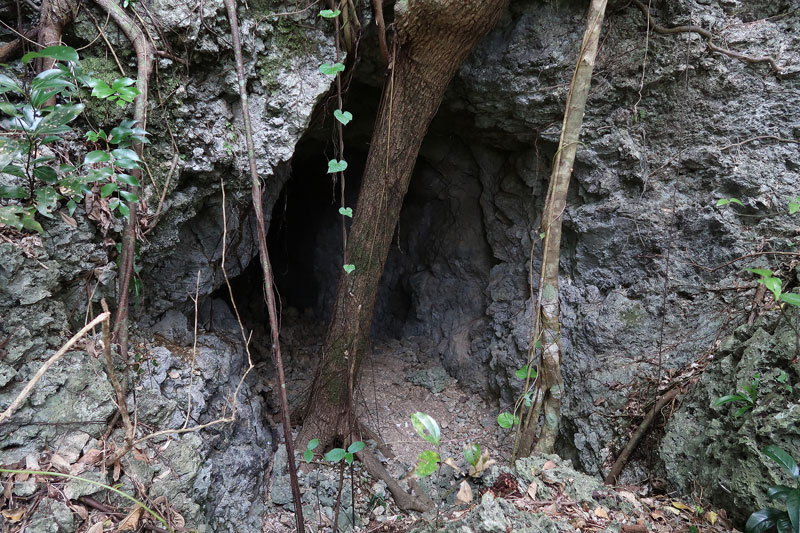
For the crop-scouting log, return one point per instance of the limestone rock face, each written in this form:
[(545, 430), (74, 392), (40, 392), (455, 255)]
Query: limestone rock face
[(722, 452)]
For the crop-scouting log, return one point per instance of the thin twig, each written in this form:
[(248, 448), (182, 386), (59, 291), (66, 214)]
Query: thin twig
[(50, 362), (760, 138)]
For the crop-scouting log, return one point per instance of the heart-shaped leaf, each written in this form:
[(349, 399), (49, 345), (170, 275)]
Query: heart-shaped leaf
[(335, 166), (427, 464), (346, 211), (343, 116), (349, 268), (331, 70), (506, 420)]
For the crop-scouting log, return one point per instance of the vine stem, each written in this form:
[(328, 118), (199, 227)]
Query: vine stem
[(230, 7)]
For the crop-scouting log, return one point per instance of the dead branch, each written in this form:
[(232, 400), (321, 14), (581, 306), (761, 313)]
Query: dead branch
[(619, 464), (119, 390), (263, 253), (708, 36), (46, 366)]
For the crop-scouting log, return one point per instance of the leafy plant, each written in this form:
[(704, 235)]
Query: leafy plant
[(727, 201), (746, 397), (427, 428), (794, 205), (308, 455), (774, 284), (34, 124), (783, 379), (337, 454), (770, 517)]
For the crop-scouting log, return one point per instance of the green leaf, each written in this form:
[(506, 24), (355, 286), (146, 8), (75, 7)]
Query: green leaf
[(427, 427), (346, 211), (308, 455), (761, 272), (343, 116), (329, 13), (9, 109), (726, 201), (774, 285), (791, 298), (348, 458), (312, 444), (779, 492), (11, 191), (522, 373), (129, 196), (120, 83), (794, 206), (763, 520), (472, 453), (349, 268), (59, 53), (125, 153), (124, 211), (742, 410), (793, 508), (355, 447), (98, 156), (60, 116), (331, 70), (46, 174), (506, 420), (335, 166), (46, 201), (428, 462), (335, 455), (107, 189), (8, 83), (784, 460), (71, 206)]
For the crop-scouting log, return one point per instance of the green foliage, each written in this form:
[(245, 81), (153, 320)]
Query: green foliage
[(427, 463), (794, 205), (337, 454), (726, 201), (329, 13), (308, 455), (343, 116), (472, 454), (33, 125), (775, 286), (426, 427), (331, 69), (506, 420), (349, 268), (335, 166), (346, 211), (770, 517), (746, 398)]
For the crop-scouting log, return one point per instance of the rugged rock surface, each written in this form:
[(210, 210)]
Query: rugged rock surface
[(649, 283), (722, 452)]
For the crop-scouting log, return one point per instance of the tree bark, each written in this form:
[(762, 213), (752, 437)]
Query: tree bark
[(550, 381), (434, 38)]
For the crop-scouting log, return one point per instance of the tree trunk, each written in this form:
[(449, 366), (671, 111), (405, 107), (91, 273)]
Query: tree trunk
[(434, 38), (550, 381)]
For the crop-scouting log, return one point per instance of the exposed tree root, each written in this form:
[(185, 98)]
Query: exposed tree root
[(709, 38), (10, 49), (407, 502)]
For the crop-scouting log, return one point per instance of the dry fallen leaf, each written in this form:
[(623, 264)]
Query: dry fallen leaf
[(97, 528), (551, 509), (464, 492), (139, 456), (178, 522), (672, 510), (531, 492), (711, 516), (601, 513), (681, 506), (131, 522), (59, 463), (549, 465), (14, 515), (483, 463), (80, 510), (117, 471), (452, 464), (657, 515)]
